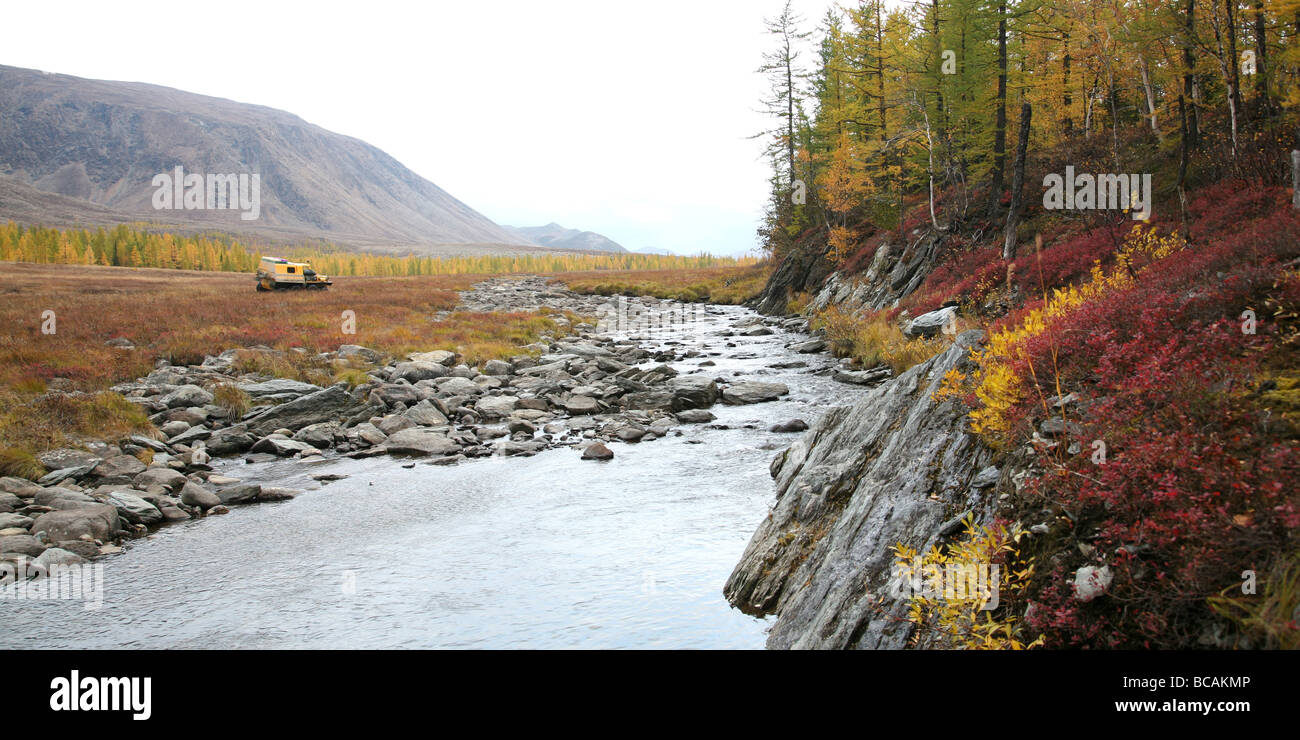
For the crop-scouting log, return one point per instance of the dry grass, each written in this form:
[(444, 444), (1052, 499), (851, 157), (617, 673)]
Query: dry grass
[(729, 285), (181, 316), (874, 340)]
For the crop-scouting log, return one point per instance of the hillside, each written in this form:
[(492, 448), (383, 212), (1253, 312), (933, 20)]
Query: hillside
[(99, 144)]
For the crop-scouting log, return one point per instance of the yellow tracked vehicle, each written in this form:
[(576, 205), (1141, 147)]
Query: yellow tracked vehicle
[(275, 273)]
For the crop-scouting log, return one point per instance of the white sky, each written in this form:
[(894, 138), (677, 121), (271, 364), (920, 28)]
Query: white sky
[(625, 118)]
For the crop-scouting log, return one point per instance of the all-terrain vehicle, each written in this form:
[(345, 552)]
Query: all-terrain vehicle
[(276, 273)]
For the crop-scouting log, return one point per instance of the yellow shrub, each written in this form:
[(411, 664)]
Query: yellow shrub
[(963, 623), (997, 386)]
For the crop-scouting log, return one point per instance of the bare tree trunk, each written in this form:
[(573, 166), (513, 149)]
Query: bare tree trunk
[(1295, 179), (1017, 183), (1068, 123), (1151, 96)]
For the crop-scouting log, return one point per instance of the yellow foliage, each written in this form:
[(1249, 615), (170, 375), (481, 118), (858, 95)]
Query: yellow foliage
[(962, 622), (997, 386)]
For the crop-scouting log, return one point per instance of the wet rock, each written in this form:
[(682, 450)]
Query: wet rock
[(794, 425), (597, 451), (271, 493), (278, 444), (747, 392), (192, 494), (809, 347), (420, 441), (321, 436), (693, 391), (57, 557), (695, 416), (242, 493)]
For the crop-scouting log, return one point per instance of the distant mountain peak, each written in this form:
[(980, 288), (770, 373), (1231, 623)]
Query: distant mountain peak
[(559, 237)]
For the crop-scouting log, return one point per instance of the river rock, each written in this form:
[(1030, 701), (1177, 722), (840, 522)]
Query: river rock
[(330, 404), (597, 451), (695, 416), (119, 468), (497, 367), (861, 377), (416, 371), (242, 493), (794, 425), (192, 494), (97, 521), (438, 356), (420, 442), (57, 557), (134, 509), (19, 487), (747, 392), (186, 395), (425, 414), (22, 544), (278, 444), (809, 347), (496, 407), (10, 520), (693, 391), (67, 457), (581, 405)]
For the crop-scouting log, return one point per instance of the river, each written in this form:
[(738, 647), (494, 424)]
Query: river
[(539, 552)]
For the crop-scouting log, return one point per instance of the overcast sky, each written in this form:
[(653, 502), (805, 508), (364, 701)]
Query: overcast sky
[(625, 118)]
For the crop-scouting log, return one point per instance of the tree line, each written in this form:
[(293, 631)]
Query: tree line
[(884, 104)]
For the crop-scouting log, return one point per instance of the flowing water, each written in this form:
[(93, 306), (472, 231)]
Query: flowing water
[(539, 552)]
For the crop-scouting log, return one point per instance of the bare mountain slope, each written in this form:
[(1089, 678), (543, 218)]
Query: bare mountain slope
[(104, 142)]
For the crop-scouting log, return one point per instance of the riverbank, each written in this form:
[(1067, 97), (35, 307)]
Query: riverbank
[(536, 549), (590, 384)]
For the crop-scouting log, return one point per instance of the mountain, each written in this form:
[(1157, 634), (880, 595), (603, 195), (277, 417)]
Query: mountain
[(101, 144), (555, 235)]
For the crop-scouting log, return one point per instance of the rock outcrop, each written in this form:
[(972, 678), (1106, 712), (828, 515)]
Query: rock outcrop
[(892, 468)]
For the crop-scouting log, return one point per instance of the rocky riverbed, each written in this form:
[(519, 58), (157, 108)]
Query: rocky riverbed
[(500, 535), (616, 379)]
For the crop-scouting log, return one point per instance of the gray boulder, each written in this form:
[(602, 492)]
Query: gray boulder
[(419, 441), (192, 494), (186, 395), (753, 392), (97, 521), (134, 509)]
